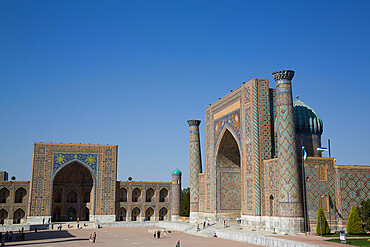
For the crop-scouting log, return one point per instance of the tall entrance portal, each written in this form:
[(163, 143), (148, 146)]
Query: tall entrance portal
[(228, 175), (72, 193)]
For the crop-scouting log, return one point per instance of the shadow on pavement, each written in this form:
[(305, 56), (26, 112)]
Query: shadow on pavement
[(44, 235)]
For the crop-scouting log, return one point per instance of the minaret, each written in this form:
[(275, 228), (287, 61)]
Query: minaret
[(195, 168), (176, 194), (289, 196)]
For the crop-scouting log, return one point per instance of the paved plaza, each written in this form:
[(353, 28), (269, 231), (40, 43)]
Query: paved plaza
[(118, 237)]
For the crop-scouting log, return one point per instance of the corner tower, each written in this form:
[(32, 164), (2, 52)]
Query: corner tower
[(195, 168), (176, 194), (289, 196)]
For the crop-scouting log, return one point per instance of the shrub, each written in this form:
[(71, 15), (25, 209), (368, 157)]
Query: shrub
[(354, 225), (324, 223), (364, 211)]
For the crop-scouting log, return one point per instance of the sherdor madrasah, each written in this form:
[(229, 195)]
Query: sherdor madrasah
[(253, 163)]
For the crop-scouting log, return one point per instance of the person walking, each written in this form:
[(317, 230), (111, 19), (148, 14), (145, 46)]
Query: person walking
[(154, 234), (94, 237), (90, 238), (164, 234), (178, 243), (159, 234)]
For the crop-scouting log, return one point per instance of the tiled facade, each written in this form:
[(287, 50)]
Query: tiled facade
[(253, 163), (79, 182)]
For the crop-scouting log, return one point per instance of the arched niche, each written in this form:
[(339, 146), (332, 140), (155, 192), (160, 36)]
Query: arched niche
[(73, 191), (136, 195), (228, 165), (149, 195), (18, 215), (149, 213), (135, 214), (4, 195), (163, 195), (163, 213), (20, 195)]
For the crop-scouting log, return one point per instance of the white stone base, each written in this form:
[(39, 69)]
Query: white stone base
[(174, 217), (194, 217), (103, 218), (211, 217), (273, 224), (34, 220)]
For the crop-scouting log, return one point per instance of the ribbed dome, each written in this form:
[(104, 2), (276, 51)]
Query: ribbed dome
[(306, 120), (176, 172)]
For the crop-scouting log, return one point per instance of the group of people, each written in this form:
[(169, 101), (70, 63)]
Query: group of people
[(92, 238), (157, 234), (8, 236), (205, 225)]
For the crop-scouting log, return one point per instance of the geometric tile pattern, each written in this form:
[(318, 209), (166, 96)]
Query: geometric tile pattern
[(230, 121), (230, 190), (289, 195), (354, 187), (195, 164), (49, 158), (61, 159)]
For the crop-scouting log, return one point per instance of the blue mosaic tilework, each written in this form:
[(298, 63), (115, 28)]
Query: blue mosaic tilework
[(61, 159)]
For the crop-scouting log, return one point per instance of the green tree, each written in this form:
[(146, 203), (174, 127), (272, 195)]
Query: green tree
[(364, 211), (324, 228), (354, 225), (185, 202)]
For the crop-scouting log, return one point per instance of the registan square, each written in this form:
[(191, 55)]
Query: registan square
[(220, 127)]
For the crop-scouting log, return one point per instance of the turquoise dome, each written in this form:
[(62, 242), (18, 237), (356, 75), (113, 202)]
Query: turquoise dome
[(176, 172), (306, 120)]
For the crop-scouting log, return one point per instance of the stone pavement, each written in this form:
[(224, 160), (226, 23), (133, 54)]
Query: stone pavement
[(118, 237)]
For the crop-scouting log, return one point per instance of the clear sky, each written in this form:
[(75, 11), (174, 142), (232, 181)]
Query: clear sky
[(132, 73)]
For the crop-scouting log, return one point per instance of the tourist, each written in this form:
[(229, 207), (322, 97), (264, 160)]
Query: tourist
[(164, 234), (94, 237), (78, 225), (178, 243), (204, 225), (225, 223), (198, 229), (159, 234), (155, 234), (2, 239), (90, 238), (208, 224)]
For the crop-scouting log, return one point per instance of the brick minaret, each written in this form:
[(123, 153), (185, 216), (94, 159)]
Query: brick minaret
[(195, 167), (289, 197), (176, 194)]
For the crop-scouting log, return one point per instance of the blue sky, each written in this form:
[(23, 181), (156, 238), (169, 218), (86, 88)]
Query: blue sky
[(131, 73)]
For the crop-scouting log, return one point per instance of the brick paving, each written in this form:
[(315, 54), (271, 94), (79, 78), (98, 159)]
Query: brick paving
[(118, 237), (312, 239)]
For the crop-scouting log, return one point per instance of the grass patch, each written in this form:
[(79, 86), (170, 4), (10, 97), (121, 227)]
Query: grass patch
[(347, 235), (356, 242)]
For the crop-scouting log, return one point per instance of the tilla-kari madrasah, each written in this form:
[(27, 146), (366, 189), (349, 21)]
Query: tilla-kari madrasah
[(253, 170)]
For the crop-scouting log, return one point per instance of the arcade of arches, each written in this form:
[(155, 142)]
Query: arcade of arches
[(71, 182), (72, 193)]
